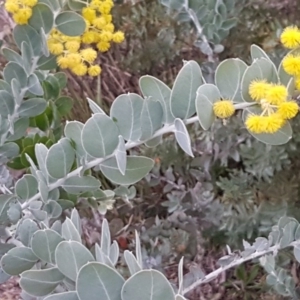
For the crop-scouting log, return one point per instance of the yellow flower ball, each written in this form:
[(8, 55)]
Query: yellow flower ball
[(105, 7), (254, 124), (107, 18), (89, 14), (80, 69), (94, 70), (223, 109), (99, 23), (74, 59), (55, 48), (290, 37), (103, 46), (89, 54), (291, 64), (118, 37), (11, 7), (22, 16), (288, 110), (276, 94), (63, 62), (273, 123), (88, 37), (106, 36), (258, 89), (109, 27), (72, 46)]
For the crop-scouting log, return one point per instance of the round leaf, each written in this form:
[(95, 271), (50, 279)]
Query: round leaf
[(40, 283), (100, 136), (147, 285), (26, 187), (97, 281), (70, 23), (70, 257), (18, 260), (207, 95), (137, 168), (32, 107), (42, 17)]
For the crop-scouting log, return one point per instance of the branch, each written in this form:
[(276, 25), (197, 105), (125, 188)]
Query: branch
[(211, 276)]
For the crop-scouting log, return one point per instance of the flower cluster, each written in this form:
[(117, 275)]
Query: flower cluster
[(77, 53), (21, 10), (290, 38), (276, 109)]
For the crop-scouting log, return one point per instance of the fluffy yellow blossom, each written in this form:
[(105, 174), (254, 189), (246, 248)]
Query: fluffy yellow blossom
[(99, 23), (264, 124), (63, 62), (89, 14), (72, 46), (107, 18), (254, 123), (30, 3), (88, 37), (291, 64), (103, 46), (79, 69), (288, 110), (74, 59), (118, 37), (276, 94), (89, 54), (55, 48), (22, 16), (106, 36), (109, 27), (223, 109), (105, 7), (258, 89), (94, 70), (290, 37), (11, 7)]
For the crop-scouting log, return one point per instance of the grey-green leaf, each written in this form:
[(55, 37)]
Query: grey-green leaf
[(25, 230), (151, 118), (73, 131), (257, 52), (44, 243), (97, 281), (13, 70), (182, 137), (183, 93), (81, 184), (26, 187), (18, 260), (126, 113), (131, 262), (100, 136), (147, 285), (32, 107), (70, 257), (228, 78), (153, 87), (41, 282), (137, 168), (60, 158), (63, 296), (70, 232), (7, 104), (207, 95), (121, 155), (70, 23), (42, 17)]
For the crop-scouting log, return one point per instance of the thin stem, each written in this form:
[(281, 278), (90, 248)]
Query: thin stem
[(211, 276)]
